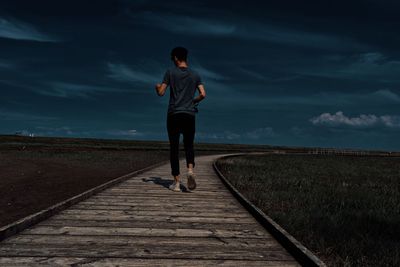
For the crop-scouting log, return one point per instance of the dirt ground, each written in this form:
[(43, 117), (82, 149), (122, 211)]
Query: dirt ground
[(34, 179)]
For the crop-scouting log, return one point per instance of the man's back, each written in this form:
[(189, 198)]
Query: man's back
[(183, 82)]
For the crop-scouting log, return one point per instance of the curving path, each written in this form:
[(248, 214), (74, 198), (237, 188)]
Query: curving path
[(139, 222)]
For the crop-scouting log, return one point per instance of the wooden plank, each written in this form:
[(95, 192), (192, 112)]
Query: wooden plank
[(161, 202), (149, 251), (173, 198), (152, 224), (164, 190), (149, 188), (130, 231), (143, 205), (130, 183), (116, 213), (166, 173), (84, 240), (148, 198), (168, 194), (165, 194), (201, 184), (204, 182), (56, 261), (175, 208), (163, 177), (157, 218), (154, 205), (152, 189)]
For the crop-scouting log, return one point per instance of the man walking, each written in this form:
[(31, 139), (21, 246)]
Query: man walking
[(183, 83)]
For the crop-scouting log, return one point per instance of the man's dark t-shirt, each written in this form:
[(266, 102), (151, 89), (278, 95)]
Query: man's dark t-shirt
[(183, 83)]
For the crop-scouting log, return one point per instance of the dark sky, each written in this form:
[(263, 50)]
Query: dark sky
[(298, 73)]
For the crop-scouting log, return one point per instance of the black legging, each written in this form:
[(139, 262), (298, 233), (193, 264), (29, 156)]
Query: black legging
[(176, 124)]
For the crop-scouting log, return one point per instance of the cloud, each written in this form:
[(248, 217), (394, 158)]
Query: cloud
[(146, 75), (208, 74), (70, 90), (71, 131), (6, 115), (125, 133), (340, 119), (235, 96), (386, 94), (371, 57), (6, 65), (255, 134), (242, 29), (260, 133), (123, 73), (18, 30), (54, 131), (66, 89), (185, 24), (371, 66), (378, 97), (226, 135), (252, 74)]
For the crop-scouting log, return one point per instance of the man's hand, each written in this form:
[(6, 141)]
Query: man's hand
[(202, 94), (161, 88)]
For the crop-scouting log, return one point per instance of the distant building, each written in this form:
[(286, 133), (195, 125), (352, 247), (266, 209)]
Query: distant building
[(24, 133)]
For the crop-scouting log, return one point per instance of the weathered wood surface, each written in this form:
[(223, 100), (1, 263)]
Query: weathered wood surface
[(140, 222)]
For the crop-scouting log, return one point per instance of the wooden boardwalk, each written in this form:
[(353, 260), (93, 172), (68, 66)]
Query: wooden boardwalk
[(140, 222)]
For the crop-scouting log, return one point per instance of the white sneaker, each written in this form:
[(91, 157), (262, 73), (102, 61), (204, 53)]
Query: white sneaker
[(175, 187), (191, 181)]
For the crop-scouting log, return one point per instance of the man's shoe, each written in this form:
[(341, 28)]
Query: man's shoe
[(176, 187), (191, 181)]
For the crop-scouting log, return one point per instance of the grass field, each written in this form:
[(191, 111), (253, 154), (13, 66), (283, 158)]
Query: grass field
[(346, 209)]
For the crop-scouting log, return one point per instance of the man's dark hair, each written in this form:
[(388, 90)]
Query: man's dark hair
[(180, 53)]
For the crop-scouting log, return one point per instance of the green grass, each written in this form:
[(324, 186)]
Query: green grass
[(346, 209)]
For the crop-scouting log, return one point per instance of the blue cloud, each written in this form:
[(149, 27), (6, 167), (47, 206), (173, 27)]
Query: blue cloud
[(123, 73), (9, 115), (190, 25), (253, 74), (185, 24), (149, 76), (364, 66), (233, 97), (70, 90), (6, 65), (18, 30), (207, 73), (126, 133)]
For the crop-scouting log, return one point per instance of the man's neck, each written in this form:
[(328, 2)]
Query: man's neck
[(181, 64)]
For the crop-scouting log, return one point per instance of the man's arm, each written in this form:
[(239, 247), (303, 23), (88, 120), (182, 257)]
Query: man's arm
[(161, 88), (202, 94)]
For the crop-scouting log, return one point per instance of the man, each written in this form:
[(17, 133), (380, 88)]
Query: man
[(183, 83)]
